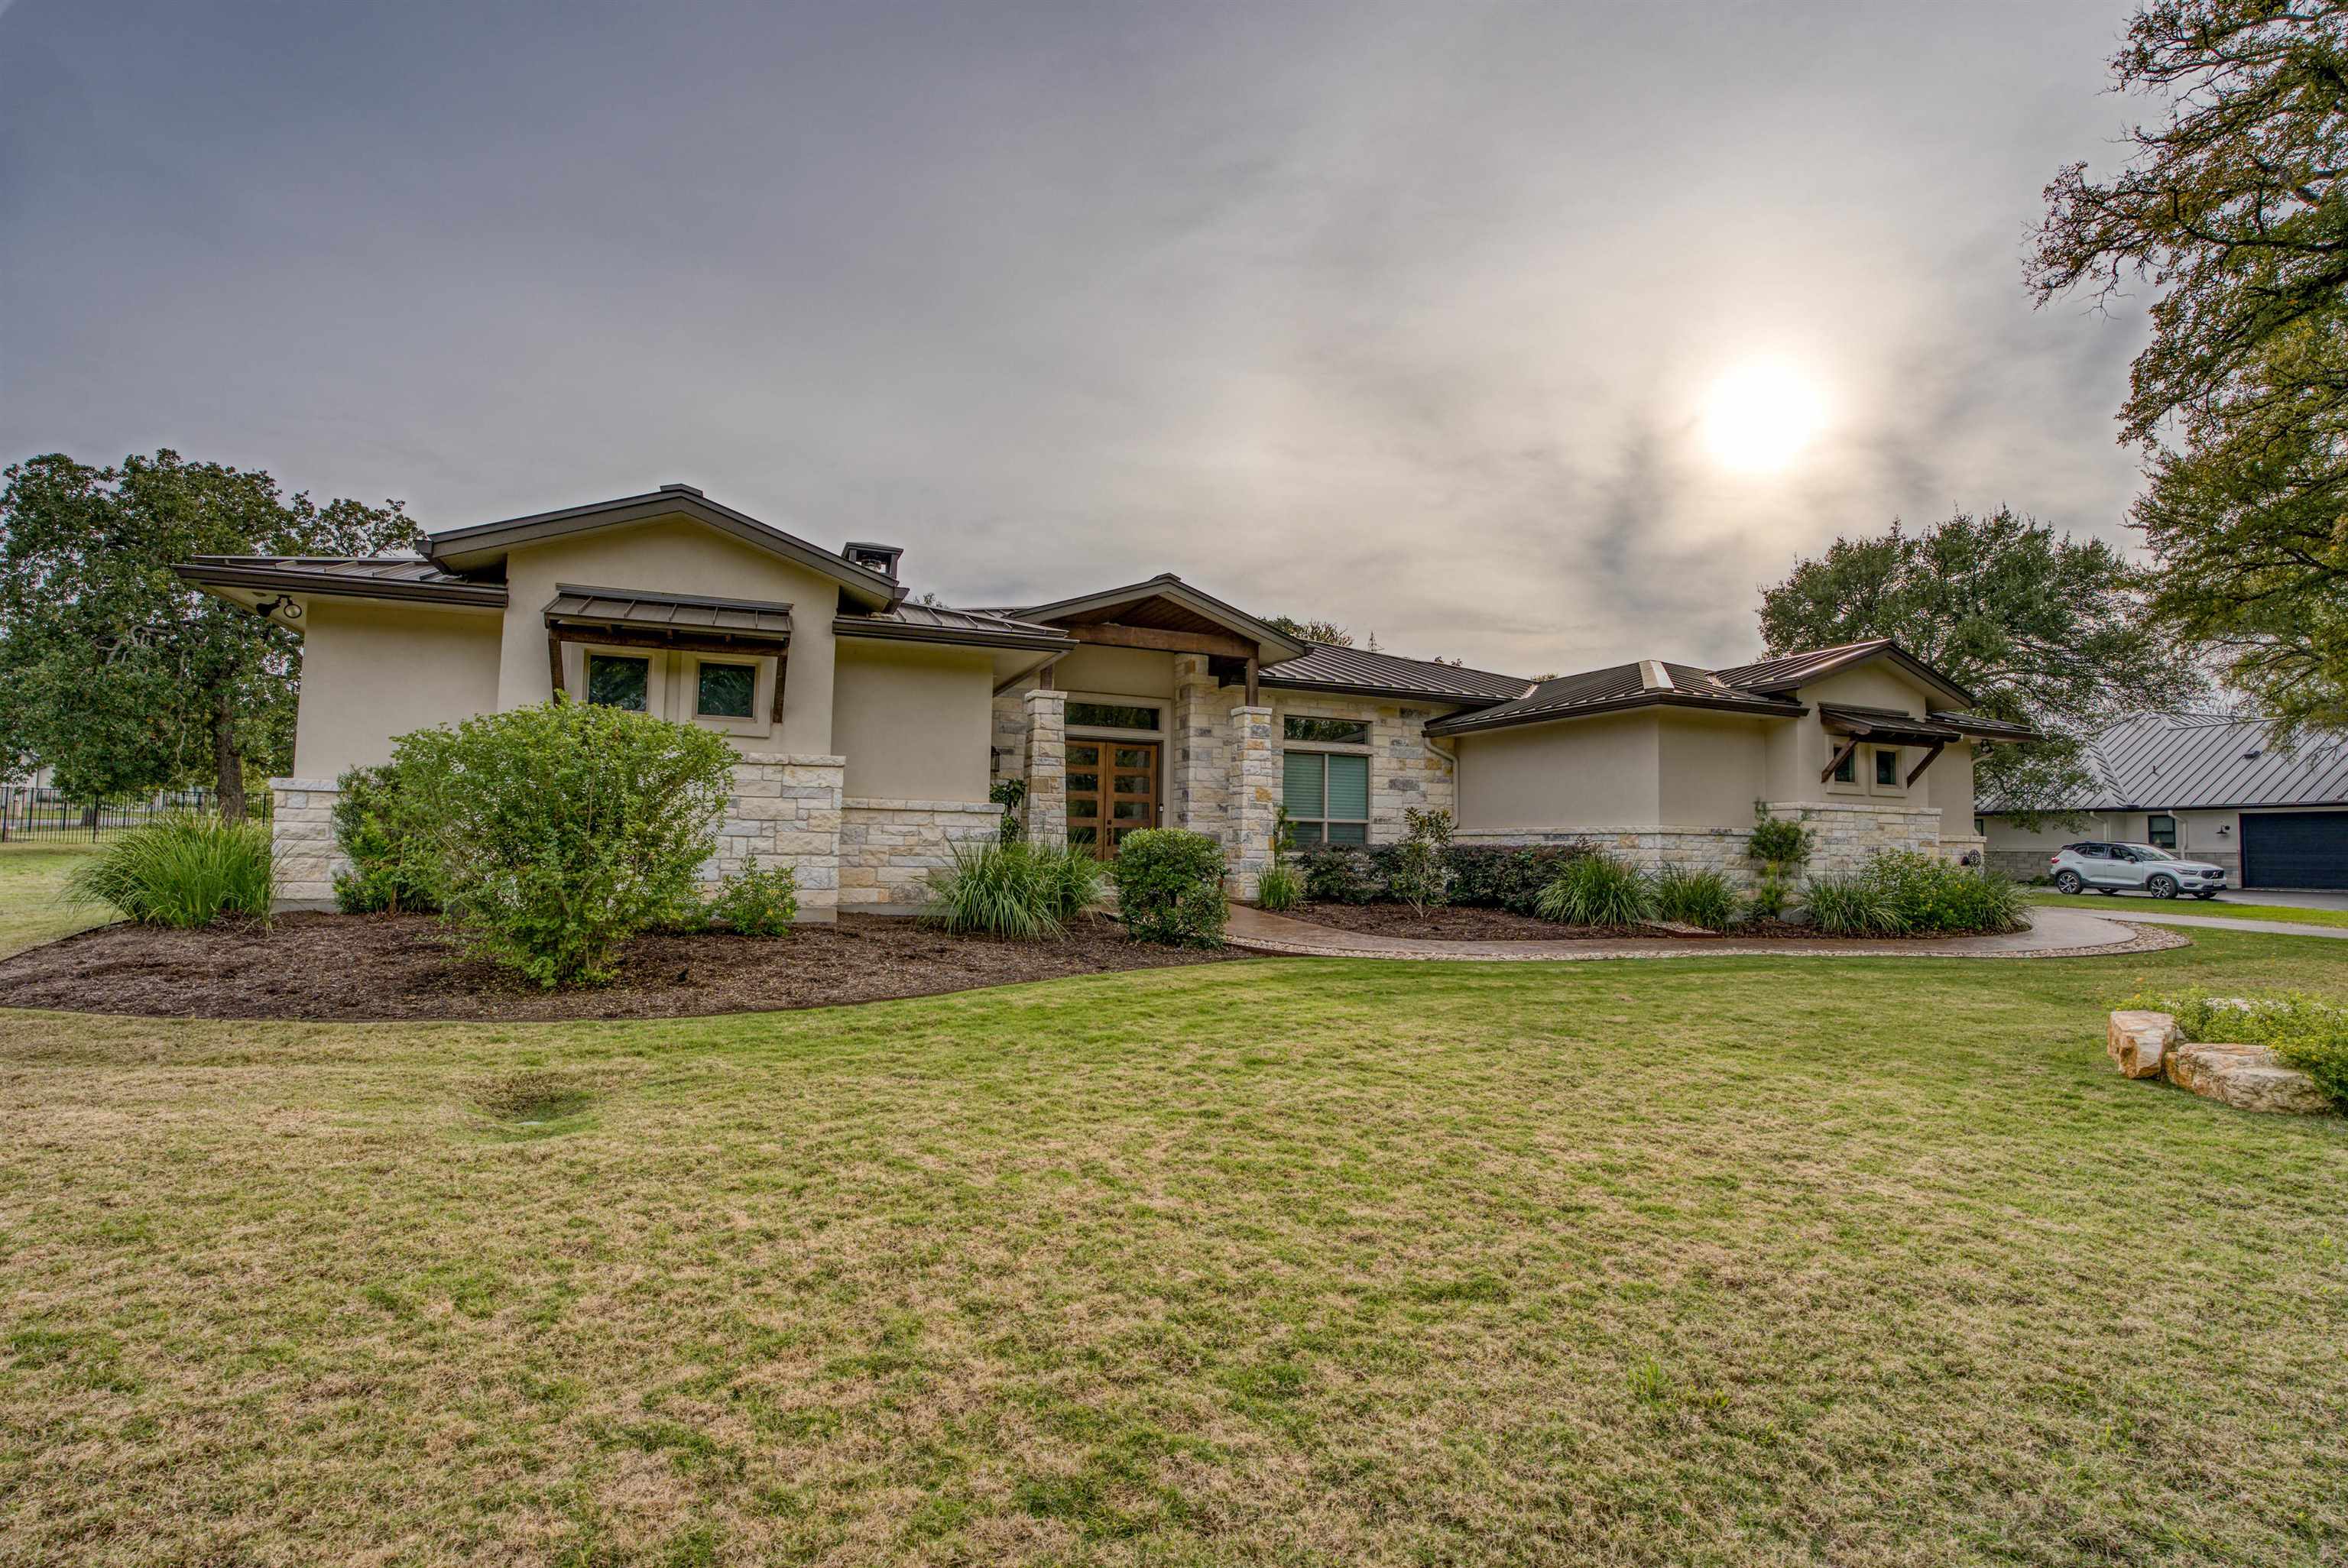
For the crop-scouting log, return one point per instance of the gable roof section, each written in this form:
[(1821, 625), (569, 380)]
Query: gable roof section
[(347, 577), (2161, 762), (1273, 644), (1327, 667), (484, 545), (1784, 673), (1650, 684)]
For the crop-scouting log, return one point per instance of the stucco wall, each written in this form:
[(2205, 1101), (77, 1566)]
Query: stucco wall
[(1116, 672), (374, 672), (1598, 772), (676, 557), (1714, 767), (913, 722)]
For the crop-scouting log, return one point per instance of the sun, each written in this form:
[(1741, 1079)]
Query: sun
[(1759, 416)]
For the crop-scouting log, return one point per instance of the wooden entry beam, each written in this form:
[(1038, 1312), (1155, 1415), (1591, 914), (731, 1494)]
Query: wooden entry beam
[(1109, 634)]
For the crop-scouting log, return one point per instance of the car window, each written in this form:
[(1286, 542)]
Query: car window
[(2094, 852), (2149, 852)]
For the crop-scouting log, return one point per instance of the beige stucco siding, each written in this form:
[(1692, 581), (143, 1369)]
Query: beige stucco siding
[(1600, 771), (678, 557), (913, 722), (1714, 767), (374, 672), (1114, 672)]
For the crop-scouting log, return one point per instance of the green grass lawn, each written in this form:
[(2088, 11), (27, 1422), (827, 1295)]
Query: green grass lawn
[(1708, 1261), (2122, 905), (32, 876)]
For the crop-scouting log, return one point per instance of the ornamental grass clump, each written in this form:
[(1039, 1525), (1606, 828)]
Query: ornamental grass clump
[(1170, 887), (562, 830), (1697, 898), (1014, 890), (1850, 906), (185, 870), (1598, 890)]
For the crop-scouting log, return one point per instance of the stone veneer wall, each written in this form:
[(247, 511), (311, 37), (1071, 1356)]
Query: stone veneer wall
[(1254, 798), (1846, 836), (301, 829), (889, 847), (1043, 810)]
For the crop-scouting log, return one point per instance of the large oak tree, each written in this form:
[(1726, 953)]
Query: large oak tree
[(116, 673), (2043, 629), (2230, 209)]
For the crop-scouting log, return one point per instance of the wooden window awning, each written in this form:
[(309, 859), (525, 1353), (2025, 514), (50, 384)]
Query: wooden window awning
[(1885, 727), (627, 619)]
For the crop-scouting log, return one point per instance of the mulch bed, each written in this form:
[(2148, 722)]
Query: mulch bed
[(1460, 923), (373, 968)]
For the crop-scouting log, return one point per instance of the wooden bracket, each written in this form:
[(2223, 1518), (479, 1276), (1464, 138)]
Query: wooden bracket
[(554, 660), (1918, 771), (1849, 747)]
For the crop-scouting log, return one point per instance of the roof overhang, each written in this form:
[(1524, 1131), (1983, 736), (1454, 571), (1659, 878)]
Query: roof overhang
[(253, 584), (1907, 662), (1975, 728), (1465, 724), (1883, 725), (668, 620), (485, 545), (1370, 689), (1272, 644), (1014, 654)]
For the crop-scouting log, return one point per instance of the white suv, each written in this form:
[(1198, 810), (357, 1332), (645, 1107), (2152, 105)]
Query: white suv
[(2139, 867)]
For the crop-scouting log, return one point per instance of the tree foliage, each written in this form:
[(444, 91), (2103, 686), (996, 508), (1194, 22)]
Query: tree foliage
[(1312, 630), (115, 671), (2230, 208), (2045, 630)]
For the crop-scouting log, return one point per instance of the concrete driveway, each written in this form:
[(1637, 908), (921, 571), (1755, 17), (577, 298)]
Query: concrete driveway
[(2290, 900)]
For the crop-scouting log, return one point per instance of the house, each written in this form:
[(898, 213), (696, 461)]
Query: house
[(872, 726), (2213, 786)]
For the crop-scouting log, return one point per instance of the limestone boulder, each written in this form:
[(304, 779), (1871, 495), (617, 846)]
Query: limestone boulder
[(2140, 1041), (2246, 1077)]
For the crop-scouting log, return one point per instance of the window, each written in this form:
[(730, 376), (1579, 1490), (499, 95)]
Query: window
[(725, 690), (2161, 829), (1981, 827), (1328, 732), (1112, 716), (1328, 797), (615, 680), (1887, 765), (1846, 770)]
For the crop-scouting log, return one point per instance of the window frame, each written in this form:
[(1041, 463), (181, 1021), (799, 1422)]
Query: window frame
[(1322, 823), (1308, 742), (2152, 833), (653, 674), (702, 666), (673, 685)]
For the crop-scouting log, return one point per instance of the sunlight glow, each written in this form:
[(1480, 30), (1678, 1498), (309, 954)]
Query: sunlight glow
[(1759, 416)]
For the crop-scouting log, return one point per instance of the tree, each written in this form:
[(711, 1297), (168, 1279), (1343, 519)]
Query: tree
[(2232, 209), (1312, 630), (2043, 629), (119, 674)]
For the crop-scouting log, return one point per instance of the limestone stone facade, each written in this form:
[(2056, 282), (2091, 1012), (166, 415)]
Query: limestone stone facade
[(1045, 766), (301, 828), (1844, 837), (887, 848)]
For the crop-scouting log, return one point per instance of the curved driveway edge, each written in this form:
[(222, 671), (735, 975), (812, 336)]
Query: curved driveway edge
[(2055, 934)]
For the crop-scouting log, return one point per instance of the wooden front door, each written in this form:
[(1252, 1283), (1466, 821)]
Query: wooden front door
[(1112, 791)]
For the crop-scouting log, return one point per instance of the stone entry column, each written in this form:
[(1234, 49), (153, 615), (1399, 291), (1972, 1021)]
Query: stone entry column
[(301, 832), (1254, 797), (786, 811), (1199, 774), (1044, 811)]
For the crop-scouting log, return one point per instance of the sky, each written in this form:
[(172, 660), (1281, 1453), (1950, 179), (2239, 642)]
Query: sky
[(1540, 335)]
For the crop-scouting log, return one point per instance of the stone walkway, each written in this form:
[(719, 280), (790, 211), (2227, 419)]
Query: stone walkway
[(2057, 933)]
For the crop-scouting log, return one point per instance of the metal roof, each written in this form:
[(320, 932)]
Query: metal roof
[(1328, 666), (1787, 670), (2162, 761), (912, 623), (669, 613), (1886, 724), (361, 577), (1649, 683)]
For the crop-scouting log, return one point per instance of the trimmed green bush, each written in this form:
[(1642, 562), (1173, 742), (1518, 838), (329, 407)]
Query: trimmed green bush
[(1508, 876), (1851, 906), (2307, 1032), (1340, 874), (391, 848), (761, 901), (1170, 887), (1697, 898), (182, 870), (1012, 891), (1781, 845), (1597, 889), (1938, 896), (1280, 888), (563, 829)]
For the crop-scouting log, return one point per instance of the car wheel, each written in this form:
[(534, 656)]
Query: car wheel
[(2067, 883), (2162, 887)]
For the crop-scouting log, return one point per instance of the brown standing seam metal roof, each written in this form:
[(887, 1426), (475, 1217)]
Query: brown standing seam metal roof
[(1887, 725), (1328, 667), (1789, 671), (2199, 761), (1614, 689), (1175, 590), (744, 618), (911, 622), (379, 577)]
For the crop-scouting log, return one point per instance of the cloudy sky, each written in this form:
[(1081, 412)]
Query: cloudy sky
[(1537, 334)]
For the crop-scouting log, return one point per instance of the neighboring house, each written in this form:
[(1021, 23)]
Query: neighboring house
[(872, 728), (2215, 787)]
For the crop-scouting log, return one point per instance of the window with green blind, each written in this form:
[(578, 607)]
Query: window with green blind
[(1327, 796)]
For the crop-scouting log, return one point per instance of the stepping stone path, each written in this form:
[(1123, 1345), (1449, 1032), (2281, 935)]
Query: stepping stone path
[(2246, 1077)]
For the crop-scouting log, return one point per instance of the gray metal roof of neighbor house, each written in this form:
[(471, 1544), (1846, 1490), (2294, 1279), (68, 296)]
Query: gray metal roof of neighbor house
[(2161, 762), (1328, 667)]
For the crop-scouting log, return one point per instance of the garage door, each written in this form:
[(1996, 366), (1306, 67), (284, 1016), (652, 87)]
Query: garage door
[(2295, 849)]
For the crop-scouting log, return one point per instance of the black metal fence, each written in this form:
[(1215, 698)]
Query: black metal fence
[(28, 812)]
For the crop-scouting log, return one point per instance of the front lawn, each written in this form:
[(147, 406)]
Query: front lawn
[(1718, 1261), (32, 877), (2121, 905)]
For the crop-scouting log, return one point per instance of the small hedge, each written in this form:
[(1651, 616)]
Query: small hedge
[(1170, 887), (380, 830), (1939, 897), (761, 901), (1488, 876)]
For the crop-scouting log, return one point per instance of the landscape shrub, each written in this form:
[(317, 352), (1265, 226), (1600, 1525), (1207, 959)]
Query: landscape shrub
[(1508, 876), (1014, 890), (1938, 896), (565, 828), (1850, 905), (2305, 1031), (1009, 794), (1280, 888), (383, 829), (1418, 871), (1782, 847), (1597, 889), (1701, 899), (1343, 873), (758, 901), (1071, 879), (1170, 887), (183, 870)]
